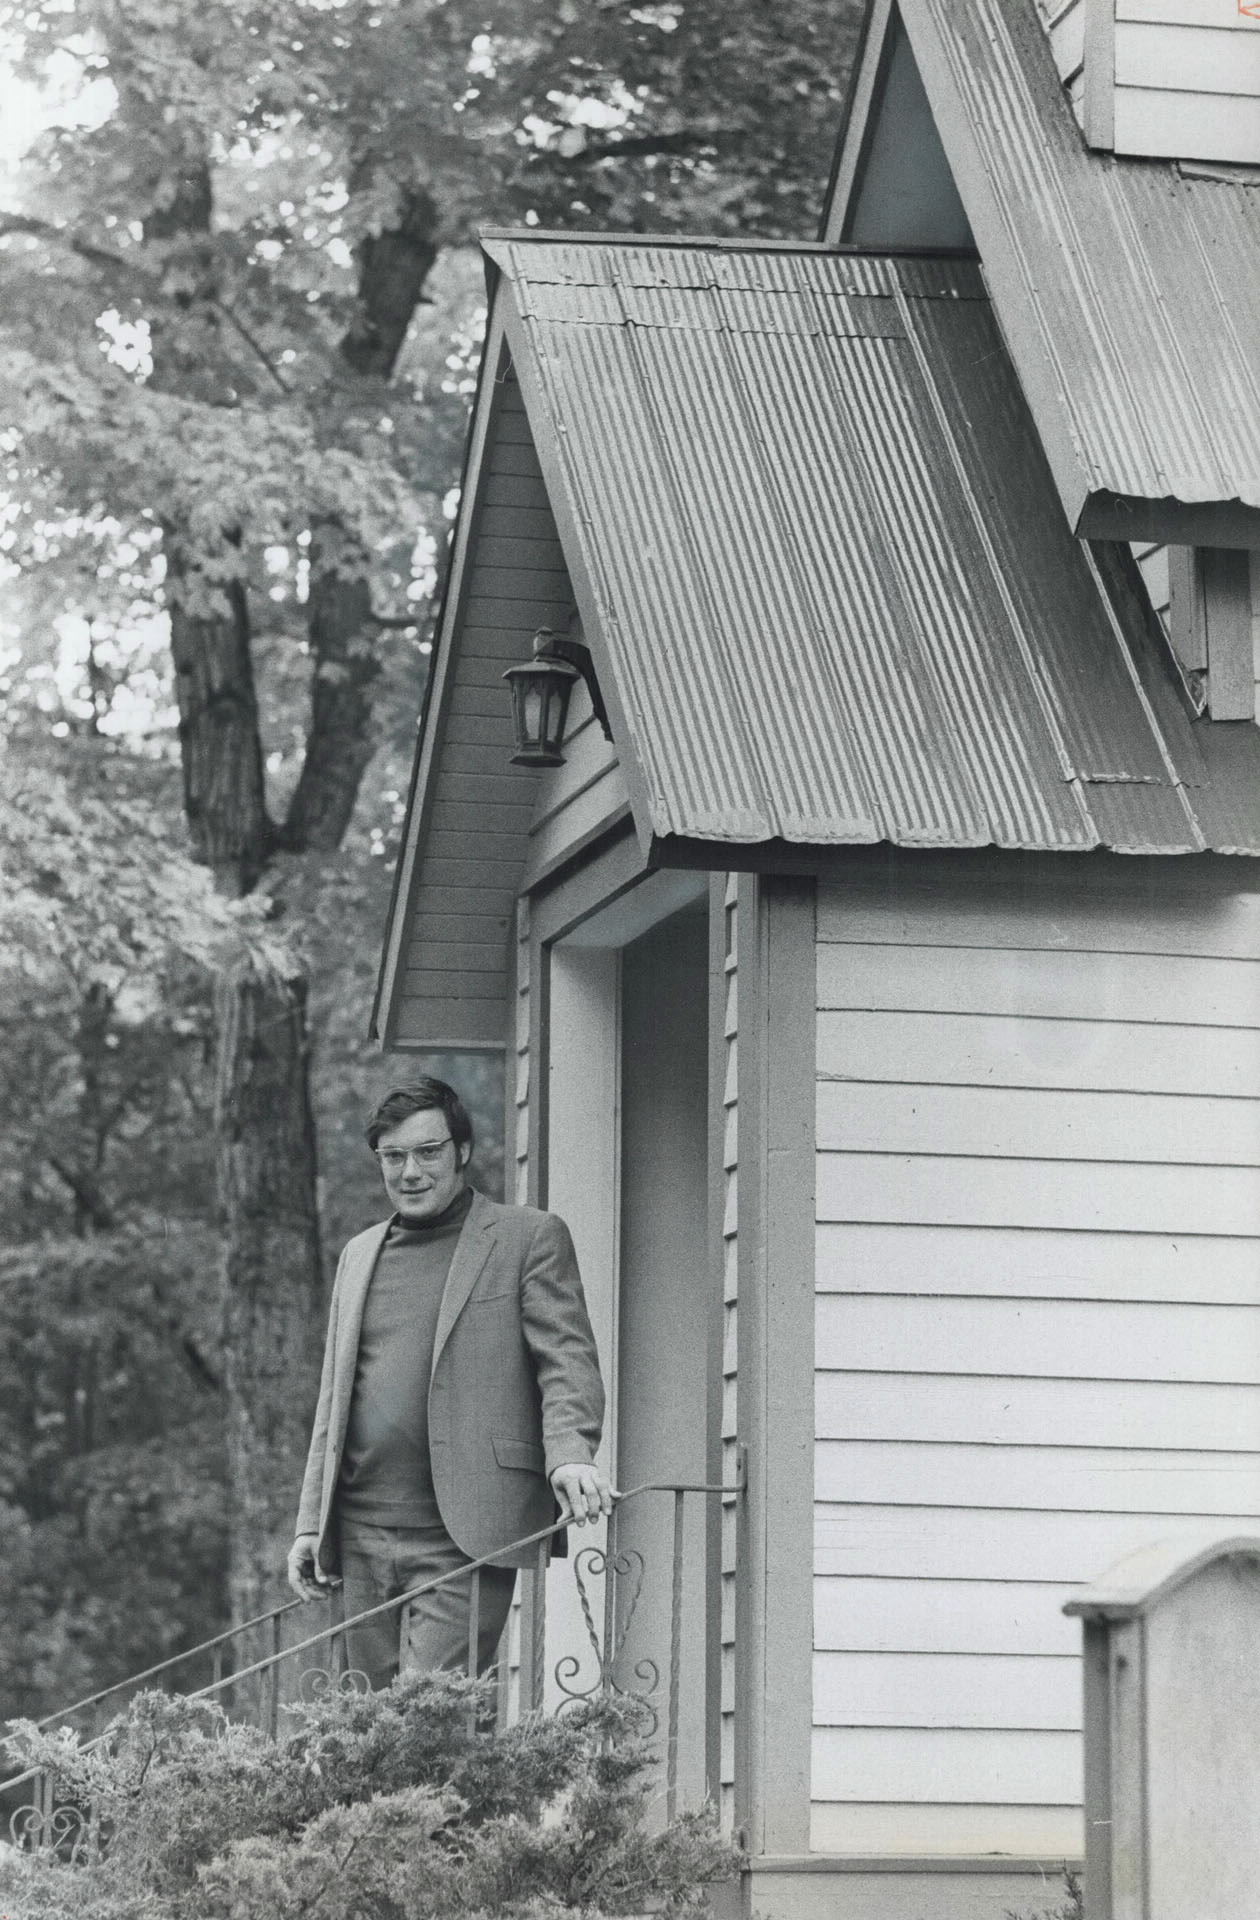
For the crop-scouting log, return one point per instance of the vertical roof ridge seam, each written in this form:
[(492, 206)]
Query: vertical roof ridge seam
[(1041, 693)]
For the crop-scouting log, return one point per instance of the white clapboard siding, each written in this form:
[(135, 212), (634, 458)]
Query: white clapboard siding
[(1182, 79), (962, 1189), (1050, 1834), (965, 1543), (1029, 982), (956, 1764), (998, 1049), (1040, 1339), (856, 1615), (969, 1408), (917, 1473), (1038, 1309), (1021, 1692), (1072, 1264), (1039, 1124)]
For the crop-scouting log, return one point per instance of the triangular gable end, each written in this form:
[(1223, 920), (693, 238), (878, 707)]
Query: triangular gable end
[(445, 973), (1126, 289), (892, 185)]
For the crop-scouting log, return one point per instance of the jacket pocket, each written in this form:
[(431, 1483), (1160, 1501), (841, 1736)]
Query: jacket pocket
[(518, 1453)]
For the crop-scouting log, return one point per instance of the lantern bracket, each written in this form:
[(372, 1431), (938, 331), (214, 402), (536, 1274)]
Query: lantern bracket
[(575, 653)]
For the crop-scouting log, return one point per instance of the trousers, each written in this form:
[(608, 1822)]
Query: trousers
[(429, 1634)]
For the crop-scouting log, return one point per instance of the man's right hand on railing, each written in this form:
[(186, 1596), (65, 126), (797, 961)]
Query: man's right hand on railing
[(306, 1577)]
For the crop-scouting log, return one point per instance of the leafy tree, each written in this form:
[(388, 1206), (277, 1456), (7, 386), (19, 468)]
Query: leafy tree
[(238, 433)]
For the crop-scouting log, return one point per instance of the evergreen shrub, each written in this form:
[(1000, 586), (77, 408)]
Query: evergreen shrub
[(387, 1806)]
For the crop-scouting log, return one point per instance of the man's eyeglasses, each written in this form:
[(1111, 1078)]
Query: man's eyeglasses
[(394, 1159)]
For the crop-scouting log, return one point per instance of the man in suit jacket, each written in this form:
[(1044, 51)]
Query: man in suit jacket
[(460, 1403)]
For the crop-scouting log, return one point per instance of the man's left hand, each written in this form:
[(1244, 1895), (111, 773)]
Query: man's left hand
[(584, 1493)]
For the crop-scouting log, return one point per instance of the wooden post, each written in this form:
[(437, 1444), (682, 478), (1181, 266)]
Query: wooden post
[(1172, 1702)]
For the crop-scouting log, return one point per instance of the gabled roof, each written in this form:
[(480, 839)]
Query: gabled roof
[(819, 560), (1128, 290)]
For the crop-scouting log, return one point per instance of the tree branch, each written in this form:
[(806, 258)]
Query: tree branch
[(393, 268), (148, 277), (636, 146), (87, 1193)]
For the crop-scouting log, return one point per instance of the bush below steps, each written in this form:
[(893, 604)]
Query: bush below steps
[(381, 1806)]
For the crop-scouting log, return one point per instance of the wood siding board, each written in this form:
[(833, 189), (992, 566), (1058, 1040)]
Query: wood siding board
[(1029, 1263), (996, 1767), (452, 815), (1174, 12), (961, 1543), (465, 956), (1040, 1339), (457, 984), (519, 493), (857, 1615), (1036, 1477), (1000, 1050), (1024, 1693), (962, 1190), (1045, 1124), (1036, 984), (1209, 58), (1113, 906), (497, 877), (952, 1888), (449, 1023), (500, 551), (1159, 123), (517, 462), (977, 1408)]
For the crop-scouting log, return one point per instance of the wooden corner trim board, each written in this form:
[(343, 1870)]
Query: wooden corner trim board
[(1100, 73), (857, 125), (774, 1588)]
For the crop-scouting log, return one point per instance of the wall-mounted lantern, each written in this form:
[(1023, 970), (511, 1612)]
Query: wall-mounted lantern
[(540, 690)]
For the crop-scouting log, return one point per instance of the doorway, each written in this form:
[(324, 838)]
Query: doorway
[(663, 1371), (627, 1166)]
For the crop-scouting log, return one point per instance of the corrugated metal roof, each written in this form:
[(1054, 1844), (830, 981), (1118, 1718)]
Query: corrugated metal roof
[(1129, 290), (828, 578)]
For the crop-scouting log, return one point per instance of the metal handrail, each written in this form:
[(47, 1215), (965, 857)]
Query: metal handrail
[(341, 1627)]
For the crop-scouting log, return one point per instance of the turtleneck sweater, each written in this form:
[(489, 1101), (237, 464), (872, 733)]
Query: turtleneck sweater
[(386, 1476)]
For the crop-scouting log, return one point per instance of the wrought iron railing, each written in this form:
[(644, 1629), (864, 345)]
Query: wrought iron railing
[(41, 1822)]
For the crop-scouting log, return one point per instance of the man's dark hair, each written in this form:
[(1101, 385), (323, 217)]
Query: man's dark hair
[(421, 1096)]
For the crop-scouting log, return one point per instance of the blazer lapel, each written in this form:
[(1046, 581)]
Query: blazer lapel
[(354, 1288), (472, 1250)]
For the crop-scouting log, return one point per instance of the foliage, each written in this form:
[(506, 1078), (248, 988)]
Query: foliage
[(375, 1805), (1073, 1908), (236, 453)]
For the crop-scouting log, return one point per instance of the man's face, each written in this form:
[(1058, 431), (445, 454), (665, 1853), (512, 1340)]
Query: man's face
[(422, 1169)]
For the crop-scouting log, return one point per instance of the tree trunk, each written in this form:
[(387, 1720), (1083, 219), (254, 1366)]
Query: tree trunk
[(272, 1277)]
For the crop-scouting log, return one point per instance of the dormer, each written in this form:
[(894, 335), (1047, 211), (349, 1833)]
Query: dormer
[(1162, 79)]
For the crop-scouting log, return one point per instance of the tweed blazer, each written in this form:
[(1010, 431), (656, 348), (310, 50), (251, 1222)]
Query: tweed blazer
[(514, 1392)]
